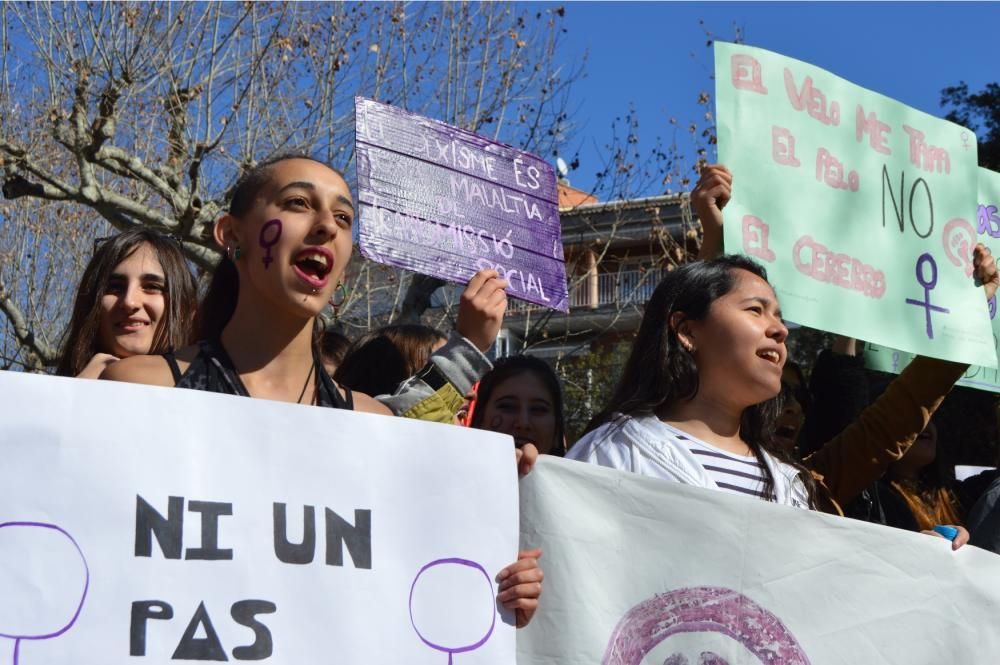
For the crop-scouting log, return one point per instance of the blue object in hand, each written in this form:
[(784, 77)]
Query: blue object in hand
[(948, 532)]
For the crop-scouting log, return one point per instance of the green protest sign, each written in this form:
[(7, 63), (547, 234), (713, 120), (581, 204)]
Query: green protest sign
[(861, 208), (988, 230)]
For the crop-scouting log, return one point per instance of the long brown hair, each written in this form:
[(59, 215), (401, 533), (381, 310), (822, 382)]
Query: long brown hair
[(180, 299)]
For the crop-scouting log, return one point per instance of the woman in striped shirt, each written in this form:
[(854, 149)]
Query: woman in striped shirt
[(699, 396)]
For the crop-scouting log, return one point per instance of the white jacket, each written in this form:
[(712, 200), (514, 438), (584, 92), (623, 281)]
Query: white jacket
[(646, 446)]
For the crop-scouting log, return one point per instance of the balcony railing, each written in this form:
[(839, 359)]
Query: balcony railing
[(625, 287)]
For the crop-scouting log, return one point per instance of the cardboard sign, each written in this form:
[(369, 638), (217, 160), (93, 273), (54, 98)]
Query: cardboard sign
[(887, 359), (860, 207), (641, 570), (447, 203), (151, 525)]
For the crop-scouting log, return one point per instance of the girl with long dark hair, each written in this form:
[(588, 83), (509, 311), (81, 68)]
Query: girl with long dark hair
[(136, 297), (698, 395)]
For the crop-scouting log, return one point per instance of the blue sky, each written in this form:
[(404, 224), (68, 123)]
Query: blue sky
[(642, 53)]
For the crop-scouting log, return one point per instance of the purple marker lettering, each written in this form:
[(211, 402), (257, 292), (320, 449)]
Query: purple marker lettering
[(987, 220), (928, 284), (267, 243)]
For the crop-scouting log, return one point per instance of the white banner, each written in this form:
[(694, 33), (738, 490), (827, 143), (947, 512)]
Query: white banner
[(639, 570), (149, 525)]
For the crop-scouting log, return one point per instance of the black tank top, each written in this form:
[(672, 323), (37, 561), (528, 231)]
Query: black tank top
[(213, 371)]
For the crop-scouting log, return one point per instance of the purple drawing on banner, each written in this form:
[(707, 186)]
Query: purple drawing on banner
[(440, 632), (27, 543), (268, 242), (993, 307), (702, 610), (928, 284)]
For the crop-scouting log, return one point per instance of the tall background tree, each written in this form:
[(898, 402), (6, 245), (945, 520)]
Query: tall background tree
[(114, 115)]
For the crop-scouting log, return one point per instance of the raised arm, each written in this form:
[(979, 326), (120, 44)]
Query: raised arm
[(885, 430), (708, 198), (436, 392)]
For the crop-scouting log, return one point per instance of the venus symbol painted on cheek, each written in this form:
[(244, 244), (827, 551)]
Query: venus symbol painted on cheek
[(271, 228), (496, 422)]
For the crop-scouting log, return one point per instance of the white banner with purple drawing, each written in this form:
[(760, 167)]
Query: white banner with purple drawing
[(151, 525), (640, 570)]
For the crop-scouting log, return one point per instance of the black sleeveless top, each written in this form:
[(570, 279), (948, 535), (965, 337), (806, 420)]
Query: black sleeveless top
[(212, 370)]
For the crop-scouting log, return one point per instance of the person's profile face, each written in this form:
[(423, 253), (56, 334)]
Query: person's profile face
[(739, 347)]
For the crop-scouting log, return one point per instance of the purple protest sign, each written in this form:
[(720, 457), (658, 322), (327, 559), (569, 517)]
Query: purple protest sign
[(445, 202)]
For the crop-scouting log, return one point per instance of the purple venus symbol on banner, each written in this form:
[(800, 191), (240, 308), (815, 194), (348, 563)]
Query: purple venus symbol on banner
[(895, 361), (268, 243), (993, 307), (453, 606), (928, 285), (45, 579)]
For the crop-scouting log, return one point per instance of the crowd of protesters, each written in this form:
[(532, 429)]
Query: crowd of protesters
[(706, 397)]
